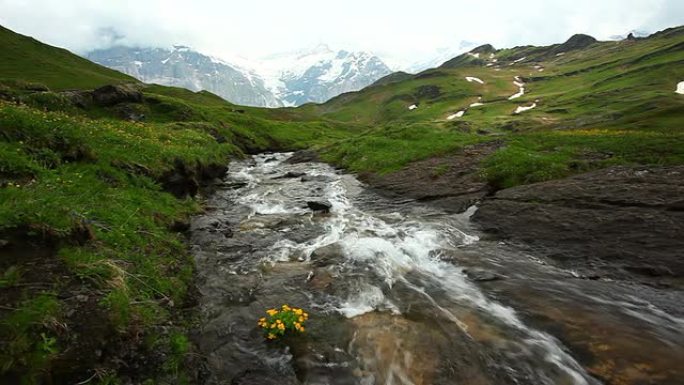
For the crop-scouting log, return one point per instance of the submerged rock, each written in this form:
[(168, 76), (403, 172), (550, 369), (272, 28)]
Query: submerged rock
[(327, 255), (481, 275)]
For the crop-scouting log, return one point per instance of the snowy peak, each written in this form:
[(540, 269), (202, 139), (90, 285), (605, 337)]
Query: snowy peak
[(323, 74), (318, 74), (286, 79)]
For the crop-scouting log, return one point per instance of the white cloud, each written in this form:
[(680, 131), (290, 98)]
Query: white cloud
[(406, 30)]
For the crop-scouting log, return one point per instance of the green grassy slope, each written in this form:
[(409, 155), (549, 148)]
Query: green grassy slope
[(91, 258), (604, 103), (30, 60)]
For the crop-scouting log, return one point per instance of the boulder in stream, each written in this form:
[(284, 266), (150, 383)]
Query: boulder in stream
[(327, 255), (291, 174), (319, 206)]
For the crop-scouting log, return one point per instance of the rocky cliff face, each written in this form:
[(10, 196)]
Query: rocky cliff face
[(183, 67)]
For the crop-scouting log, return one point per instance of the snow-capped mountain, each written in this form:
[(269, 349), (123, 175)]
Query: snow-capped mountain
[(319, 74), (289, 79), (183, 67)]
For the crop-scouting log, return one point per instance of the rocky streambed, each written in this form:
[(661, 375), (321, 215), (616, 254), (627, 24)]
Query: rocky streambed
[(401, 292)]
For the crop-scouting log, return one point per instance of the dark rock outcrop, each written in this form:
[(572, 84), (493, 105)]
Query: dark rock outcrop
[(618, 221), (450, 182), (576, 42), (110, 95), (484, 49), (303, 156)]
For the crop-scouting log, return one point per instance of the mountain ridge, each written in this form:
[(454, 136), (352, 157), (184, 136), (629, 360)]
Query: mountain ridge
[(287, 79)]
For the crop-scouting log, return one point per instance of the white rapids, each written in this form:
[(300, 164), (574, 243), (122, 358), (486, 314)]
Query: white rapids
[(386, 250)]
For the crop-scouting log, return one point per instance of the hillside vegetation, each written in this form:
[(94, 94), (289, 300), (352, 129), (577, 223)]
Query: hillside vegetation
[(99, 174), (595, 104), (96, 190)]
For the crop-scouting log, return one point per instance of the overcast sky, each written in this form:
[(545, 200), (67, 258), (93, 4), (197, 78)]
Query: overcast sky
[(399, 29)]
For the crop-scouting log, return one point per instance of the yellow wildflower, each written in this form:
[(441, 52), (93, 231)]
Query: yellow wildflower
[(298, 311), (301, 319), (271, 336), (272, 312)]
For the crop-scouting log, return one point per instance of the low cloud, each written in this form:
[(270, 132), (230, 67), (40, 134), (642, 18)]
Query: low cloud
[(400, 29)]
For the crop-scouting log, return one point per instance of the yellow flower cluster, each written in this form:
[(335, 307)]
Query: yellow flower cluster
[(281, 321)]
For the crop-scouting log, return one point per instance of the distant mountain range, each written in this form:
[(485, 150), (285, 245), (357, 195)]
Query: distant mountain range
[(280, 80), (289, 79)]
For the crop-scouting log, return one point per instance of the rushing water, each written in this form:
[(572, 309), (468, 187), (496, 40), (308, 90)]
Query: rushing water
[(400, 293)]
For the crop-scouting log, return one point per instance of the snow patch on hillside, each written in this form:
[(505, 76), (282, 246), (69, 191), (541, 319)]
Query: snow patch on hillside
[(474, 79), (521, 88), (524, 108), (680, 88), (459, 114)]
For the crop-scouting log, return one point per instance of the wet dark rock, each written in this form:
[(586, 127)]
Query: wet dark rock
[(292, 174), (321, 279), (481, 275), (316, 178), (110, 95), (271, 159), (619, 221), (327, 255), (303, 156), (319, 206)]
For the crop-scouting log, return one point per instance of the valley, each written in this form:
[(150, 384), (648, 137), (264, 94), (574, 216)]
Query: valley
[(511, 216)]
